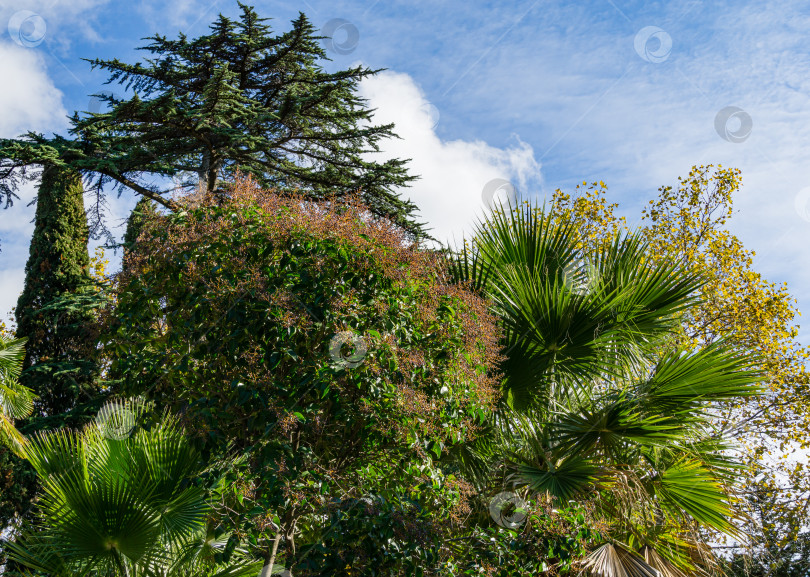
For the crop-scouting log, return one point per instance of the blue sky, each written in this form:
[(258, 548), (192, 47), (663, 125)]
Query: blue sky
[(543, 94)]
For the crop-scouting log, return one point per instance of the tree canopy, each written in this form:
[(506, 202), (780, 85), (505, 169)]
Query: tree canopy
[(527, 405), (237, 99), (317, 346)]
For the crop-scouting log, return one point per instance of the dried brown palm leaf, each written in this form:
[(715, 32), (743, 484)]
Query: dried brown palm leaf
[(614, 561), (662, 565)]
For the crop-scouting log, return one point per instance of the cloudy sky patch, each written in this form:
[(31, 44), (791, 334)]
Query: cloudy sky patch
[(541, 94)]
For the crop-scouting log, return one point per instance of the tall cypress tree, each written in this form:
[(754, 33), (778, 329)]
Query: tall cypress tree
[(53, 314), (58, 364)]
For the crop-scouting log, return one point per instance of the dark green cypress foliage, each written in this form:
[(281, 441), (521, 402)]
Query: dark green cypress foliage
[(53, 312), (58, 365), (142, 211)]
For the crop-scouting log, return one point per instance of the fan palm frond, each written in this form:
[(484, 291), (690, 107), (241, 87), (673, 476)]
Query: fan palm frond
[(119, 497), (692, 489), (595, 394), (16, 401)]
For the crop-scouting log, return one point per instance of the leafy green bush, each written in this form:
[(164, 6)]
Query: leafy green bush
[(315, 352), (547, 541)]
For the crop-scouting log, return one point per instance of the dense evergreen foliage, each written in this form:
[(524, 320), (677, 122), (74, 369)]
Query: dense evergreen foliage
[(58, 366), (367, 406)]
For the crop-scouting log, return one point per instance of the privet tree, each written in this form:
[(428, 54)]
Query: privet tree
[(322, 360), (237, 99)]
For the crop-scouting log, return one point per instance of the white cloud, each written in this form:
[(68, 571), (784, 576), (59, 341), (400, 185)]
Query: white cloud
[(452, 173), (28, 100)]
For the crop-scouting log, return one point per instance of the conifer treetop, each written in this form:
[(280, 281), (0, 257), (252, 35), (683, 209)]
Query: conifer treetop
[(238, 99)]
